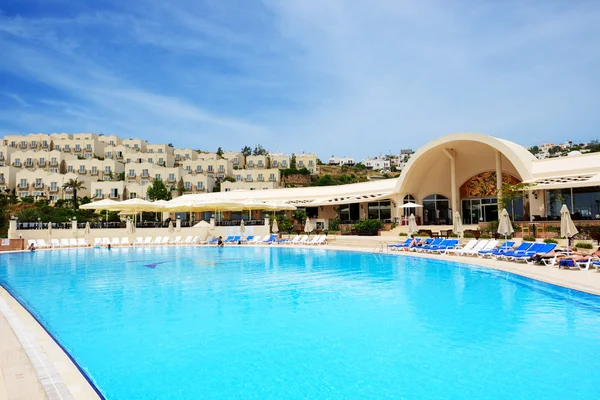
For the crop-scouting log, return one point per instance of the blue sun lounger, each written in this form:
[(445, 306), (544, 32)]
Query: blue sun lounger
[(545, 248), (523, 247), (506, 246)]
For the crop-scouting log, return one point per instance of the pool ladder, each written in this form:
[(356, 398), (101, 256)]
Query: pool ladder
[(381, 247)]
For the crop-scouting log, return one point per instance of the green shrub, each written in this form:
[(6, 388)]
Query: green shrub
[(334, 225), (485, 236), (403, 234), (550, 241), (584, 245), (369, 227), (469, 235), (453, 235), (528, 239), (551, 229)]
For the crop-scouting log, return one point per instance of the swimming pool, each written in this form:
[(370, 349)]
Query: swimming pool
[(283, 323)]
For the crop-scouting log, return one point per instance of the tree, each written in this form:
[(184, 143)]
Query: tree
[(74, 185), (293, 162), (246, 151), (180, 187), (62, 167), (220, 152), (158, 191), (511, 193), (534, 150), (259, 151)]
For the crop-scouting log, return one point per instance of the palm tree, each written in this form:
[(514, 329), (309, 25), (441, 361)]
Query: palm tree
[(75, 185)]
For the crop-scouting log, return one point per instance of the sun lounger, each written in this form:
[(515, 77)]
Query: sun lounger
[(196, 240), (523, 247), (585, 264), (177, 240), (81, 242), (398, 246), (528, 256), (31, 242), (165, 240), (148, 241), (295, 240), (234, 240), (228, 239), (64, 242), (139, 241), (436, 242), (188, 240), (248, 239), (255, 240), (322, 241), (73, 242), (115, 242), (41, 244), (157, 240), (105, 241), (457, 250), (505, 247), (489, 246), (302, 240), (269, 239), (124, 241), (97, 242), (446, 245), (314, 240)]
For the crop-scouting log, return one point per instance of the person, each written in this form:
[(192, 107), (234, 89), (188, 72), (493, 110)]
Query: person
[(220, 241), (32, 247), (413, 242), (109, 247)]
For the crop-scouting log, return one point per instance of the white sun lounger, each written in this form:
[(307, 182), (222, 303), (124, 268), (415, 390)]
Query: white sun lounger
[(81, 242), (188, 240), (124, 241), (256, 240), (322, 240), (97, 242), (105, 241), (54, 243), (303, 240), (73, 242), (177, 240), (32, 242), (467, 247), (115, 242), (314, 240), (157, 240), (41, 243), (165, 240), (64, 242), (295, 240), (148, 241), (139, 241), (207, 240), (196, 240)]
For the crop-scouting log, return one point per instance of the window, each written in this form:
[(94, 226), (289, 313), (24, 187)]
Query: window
[(82, 169), (260, 163), (157, 176), (210, 168), (132, 172), (145, 172), (236, 161), (28, 162), (112, 142), (57, 147), (98, 193), (301, 163), (188, 185), (274, 163), (310, 163), (160, 151), (109, 154), (200, 185), (436, 210), (42, 161), (17, 162), (44, 143), (53, 161), (238, 178), (38, 182), (70, 168), (94, 170), (284, 163), (188, 168), (251, 163), (88, 147), (249, 177), (107, 169), (128, 160), (77, 147), (172, 177), (380, 210), (221, 168), (187, 156), (260, 177), (150, 160), (150, 151), (114, 193), (272, 177), (198, 168), (23, 183), (133, 195), (54, 198), (53, 186), (33, 143)]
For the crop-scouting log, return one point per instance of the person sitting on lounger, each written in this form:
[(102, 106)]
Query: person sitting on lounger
[(413, 242)]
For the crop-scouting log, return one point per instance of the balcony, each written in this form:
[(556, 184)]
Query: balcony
[(23, 186), (22, 145), (69, 190), (131, 176), (260, 179), (200, 188), (33, 145), (44, 145), (54, 163), (171, 180), (53, 189), (82, 172), (29, 164), (249, 179), (274, 164), (94, 173), (41, 163), (1, 157), (17, 164), (272, 178), (114, 195), (145, 175), (38, 186)]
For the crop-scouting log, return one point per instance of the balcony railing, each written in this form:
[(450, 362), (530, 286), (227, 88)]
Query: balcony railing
[(248, 179), (92, 172), (23, 186), (42, 163), (260, 179), (53, 189), (23, 145), (38, 186), (33, 145), (82, 172), (28, 164), (44, 145), (53, 163), (114, 195)]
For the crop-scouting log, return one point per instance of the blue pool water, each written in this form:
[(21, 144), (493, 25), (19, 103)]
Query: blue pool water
[(281, 323)]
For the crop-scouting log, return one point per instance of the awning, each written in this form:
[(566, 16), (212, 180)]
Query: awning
[(565, 182), (349, 199)]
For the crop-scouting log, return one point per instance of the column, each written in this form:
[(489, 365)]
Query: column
[(499, 181), (451, 154)]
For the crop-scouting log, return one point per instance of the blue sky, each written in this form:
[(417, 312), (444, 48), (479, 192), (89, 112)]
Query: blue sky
[(354, 77)]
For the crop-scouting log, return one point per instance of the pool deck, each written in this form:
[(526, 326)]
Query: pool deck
[(33, 365)]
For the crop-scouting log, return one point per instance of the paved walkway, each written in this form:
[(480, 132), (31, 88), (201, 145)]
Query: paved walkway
[(20, 377)]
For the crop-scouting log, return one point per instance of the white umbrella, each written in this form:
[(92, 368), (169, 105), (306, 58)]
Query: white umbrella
[(457, 226), (567, 227), (171, 229), (275, 227), (242, 228), (105, 204), (308, 226), (504, 226), (412, 225), (49, 229), (410, 205), (87, 228), (202, 224)]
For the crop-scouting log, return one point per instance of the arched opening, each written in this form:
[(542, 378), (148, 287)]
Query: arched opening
[(436, 210), (409, 198)]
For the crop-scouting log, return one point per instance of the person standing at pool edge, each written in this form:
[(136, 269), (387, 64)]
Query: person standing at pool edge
[(220, 241)]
